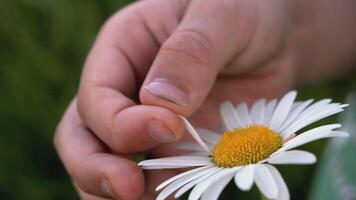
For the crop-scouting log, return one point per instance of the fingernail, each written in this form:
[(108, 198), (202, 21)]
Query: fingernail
[(160, 133), (106, 188), (165, 90)]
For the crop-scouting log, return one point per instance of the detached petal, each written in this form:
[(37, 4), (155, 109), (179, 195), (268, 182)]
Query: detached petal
[(195, 135)]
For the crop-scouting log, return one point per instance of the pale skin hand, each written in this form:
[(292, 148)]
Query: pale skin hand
[(208, 51)]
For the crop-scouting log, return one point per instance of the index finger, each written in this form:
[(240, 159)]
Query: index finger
[(115, 67)]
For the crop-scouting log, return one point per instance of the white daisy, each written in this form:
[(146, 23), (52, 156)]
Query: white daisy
[(252, 141)]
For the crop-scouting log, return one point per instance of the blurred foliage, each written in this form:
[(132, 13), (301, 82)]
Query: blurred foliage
[(43, 44)]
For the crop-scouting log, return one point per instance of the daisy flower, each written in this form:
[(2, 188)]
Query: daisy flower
[(252, 142)]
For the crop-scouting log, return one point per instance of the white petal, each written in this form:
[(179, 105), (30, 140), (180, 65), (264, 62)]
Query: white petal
[(229, 116), (181, 182), (269, 111), (168, 181), (296, 104), (293, 157), (282, 110), (265, 182), (309, 111), (339, 134), (244, 115), (175, 162), (214, 190), (309, 136), (208, 136), (294, 114), (244, 177), (315, 107), (200, 188), (258, 111), (303, 122), (191, 184), (195, 135), (283, 193)]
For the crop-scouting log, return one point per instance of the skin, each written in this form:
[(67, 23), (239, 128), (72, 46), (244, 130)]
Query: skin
[(211, 51)]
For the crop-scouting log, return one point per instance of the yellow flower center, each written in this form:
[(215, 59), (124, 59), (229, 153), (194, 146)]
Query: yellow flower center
[(245, 146)]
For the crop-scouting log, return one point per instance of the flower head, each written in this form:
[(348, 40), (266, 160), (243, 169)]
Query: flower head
[(253, 140)]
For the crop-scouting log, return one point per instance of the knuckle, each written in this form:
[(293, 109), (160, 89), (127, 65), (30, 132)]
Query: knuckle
[(191, 43)]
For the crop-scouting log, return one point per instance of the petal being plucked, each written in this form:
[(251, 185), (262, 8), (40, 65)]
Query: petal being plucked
[(283, 192), (201, 187), (175, 162), (282, 110), (265, 181), (258, 111), (244, 177), (229, 116), (192, 183), (195, 135), (183, 181), (215, 189), (293, 157)]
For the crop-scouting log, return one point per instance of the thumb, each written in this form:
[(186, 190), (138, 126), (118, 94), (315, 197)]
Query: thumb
[(189, 61)]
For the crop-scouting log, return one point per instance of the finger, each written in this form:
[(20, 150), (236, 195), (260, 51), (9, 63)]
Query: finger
[(95, 171), (117, 63), (85, 196), (140, 128), (210, 34)]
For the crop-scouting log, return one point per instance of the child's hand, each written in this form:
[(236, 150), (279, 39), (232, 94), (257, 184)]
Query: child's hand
[(158, 58)]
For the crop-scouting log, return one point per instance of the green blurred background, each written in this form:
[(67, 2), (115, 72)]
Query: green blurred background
[(43, 44)]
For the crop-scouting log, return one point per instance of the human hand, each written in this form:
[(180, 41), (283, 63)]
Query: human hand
[(158, 58)]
